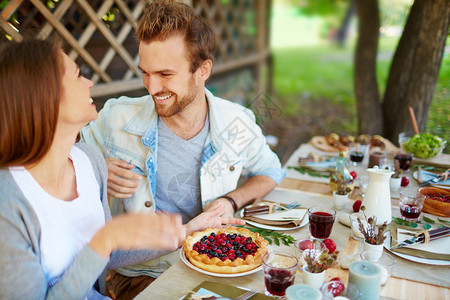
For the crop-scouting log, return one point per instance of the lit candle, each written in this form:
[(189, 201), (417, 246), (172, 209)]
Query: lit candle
[(302, 292), (367, 277)]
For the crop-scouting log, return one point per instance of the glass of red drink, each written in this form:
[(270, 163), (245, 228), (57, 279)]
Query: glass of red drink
[(357, 152), (411, 204), (279, 273), (321, 220), (404, 160)]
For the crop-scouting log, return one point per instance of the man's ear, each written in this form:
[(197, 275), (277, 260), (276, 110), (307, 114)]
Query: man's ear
[(204, 70)]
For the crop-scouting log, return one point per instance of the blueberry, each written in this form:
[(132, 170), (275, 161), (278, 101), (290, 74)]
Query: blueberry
[(213, 234)]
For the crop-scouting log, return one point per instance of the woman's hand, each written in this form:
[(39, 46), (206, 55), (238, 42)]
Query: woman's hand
[(211, 219), (139, 231)]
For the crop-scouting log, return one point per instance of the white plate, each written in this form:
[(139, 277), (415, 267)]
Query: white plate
[(269, 227), (190, 265), (435, 262)]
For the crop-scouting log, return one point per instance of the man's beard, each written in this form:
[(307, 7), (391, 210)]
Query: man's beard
[(179, 104)]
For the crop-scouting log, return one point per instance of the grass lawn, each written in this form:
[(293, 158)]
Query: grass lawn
[(314, 73)]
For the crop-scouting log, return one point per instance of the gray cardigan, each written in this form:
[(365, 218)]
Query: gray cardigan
[(22, 275)]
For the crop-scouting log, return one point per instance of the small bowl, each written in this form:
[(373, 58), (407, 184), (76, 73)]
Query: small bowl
[(435, 207)]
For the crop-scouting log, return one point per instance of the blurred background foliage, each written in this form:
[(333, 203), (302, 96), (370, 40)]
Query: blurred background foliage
[(311, 67)]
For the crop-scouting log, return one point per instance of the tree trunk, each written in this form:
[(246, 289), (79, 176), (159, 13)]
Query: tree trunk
[(370, 117), (415, 66), (342, 34)]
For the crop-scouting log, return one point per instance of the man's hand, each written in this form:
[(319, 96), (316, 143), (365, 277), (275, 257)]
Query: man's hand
[(213, 219), (227, 211), (122, 183)]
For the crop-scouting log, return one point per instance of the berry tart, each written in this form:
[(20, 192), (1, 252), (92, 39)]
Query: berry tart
[(229, 250)]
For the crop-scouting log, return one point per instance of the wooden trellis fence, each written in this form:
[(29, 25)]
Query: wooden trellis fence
[(101, 41)]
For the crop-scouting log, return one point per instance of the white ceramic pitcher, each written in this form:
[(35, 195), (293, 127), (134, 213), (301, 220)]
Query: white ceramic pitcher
[(378, 195)]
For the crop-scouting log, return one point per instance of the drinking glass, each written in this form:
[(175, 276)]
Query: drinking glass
[(404, 160), (350, 291), (279, 272), (386, 262), (411, 204), (354, 224), (321, 220), (306, 247), (356, 154), (377, 158), (363, 184), (403, 137)]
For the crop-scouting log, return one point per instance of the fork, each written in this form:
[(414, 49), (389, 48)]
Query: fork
[(292, 205), (246, 295)]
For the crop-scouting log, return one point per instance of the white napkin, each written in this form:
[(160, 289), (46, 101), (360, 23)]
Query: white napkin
[(285, 215), (441, 246)]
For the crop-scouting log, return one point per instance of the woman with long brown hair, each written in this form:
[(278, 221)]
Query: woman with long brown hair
[(57, 236)]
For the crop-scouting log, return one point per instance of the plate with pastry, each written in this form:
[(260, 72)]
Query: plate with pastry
[(226, 252)]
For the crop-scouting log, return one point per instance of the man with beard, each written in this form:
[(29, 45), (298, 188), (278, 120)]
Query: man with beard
[(179, 149)]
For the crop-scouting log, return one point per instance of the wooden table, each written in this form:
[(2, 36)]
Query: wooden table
[(396, 288), (180, 279)]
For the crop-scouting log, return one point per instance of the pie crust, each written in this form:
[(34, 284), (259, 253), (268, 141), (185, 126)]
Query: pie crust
[(215, 264)]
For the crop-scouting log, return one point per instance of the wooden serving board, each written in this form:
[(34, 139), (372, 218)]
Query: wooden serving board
[(321, 143)]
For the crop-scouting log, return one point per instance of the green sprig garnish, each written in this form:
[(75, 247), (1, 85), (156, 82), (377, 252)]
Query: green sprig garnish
[(310, 172), (272, 236), (426, 226), (443, 221), (428, 220), (404, 223)]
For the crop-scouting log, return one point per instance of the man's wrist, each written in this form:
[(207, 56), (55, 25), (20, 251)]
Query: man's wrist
[(231, 200)]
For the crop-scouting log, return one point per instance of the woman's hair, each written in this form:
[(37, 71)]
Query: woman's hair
[(163, 19), (30, 88)]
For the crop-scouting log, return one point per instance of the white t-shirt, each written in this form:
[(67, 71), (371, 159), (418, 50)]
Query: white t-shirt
[(66, 226)]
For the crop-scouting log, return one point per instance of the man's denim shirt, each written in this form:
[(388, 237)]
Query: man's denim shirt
[(127, 129)]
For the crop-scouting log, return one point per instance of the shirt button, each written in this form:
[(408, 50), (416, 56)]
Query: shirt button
[(231, 168), (148, 204)]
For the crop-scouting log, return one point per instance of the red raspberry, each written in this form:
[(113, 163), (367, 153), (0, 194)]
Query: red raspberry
[(405, 181), (354, 174), (331, 245), (336, 279), (306, 244), (357, 205), (336, 288)]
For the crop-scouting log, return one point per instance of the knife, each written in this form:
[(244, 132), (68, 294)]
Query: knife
[(434, 234)]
